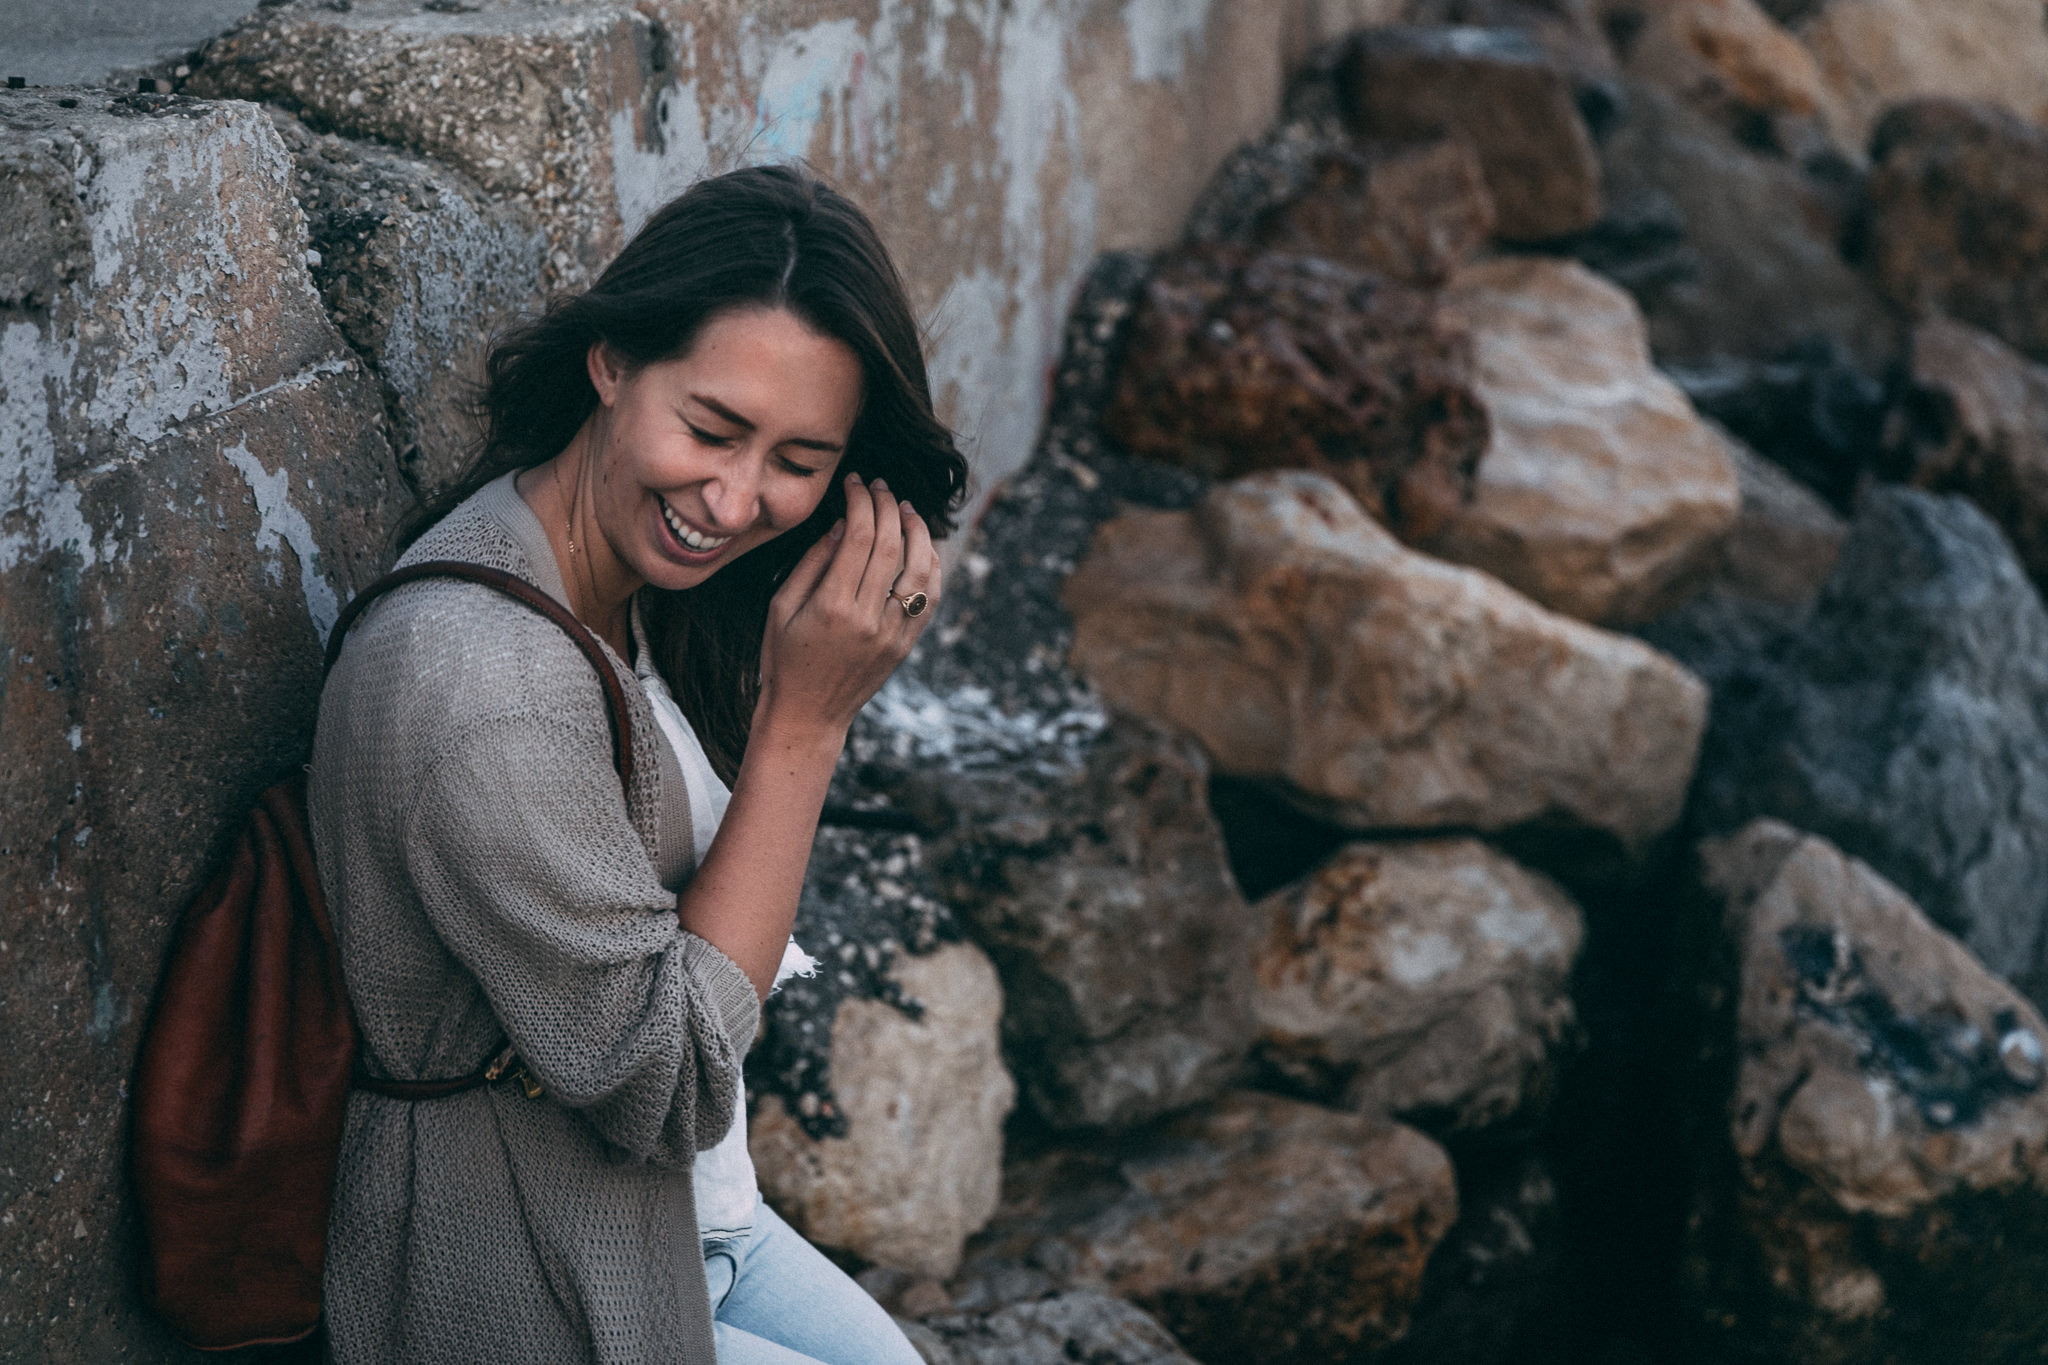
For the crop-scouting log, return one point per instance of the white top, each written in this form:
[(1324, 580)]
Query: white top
[(723, 1175)]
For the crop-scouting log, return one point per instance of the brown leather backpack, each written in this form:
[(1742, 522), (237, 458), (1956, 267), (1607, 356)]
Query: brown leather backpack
[(251, 1050)]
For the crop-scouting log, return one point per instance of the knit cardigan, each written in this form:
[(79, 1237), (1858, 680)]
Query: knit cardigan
[(487, 876)]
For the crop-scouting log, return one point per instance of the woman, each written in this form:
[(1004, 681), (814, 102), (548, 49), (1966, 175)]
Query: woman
[(723, 458)]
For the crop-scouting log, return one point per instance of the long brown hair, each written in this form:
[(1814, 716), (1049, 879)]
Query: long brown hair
[(767, 236)]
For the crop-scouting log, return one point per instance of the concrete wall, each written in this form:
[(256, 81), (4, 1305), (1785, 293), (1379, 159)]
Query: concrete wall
[(194, 466)]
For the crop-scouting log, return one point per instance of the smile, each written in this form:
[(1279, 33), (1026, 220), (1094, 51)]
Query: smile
[(693, 539)]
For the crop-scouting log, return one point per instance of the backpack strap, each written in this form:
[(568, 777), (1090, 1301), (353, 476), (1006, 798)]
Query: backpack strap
[(503, 1059)]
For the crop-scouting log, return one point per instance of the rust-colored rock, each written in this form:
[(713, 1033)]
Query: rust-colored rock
[(1239, 362), (1260, 1230), (1980, 427), (1300, 642), (1429, 980), (1413, 212), (1959, 217), (1602, 494), (1886, 1149), (1730, 60), (1502, 91)]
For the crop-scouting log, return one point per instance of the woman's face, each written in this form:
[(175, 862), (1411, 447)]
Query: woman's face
[(702, 458)]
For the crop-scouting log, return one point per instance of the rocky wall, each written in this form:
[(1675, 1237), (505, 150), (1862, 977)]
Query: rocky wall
[(233, 344)]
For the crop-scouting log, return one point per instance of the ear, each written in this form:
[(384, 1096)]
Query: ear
[(605, 371)]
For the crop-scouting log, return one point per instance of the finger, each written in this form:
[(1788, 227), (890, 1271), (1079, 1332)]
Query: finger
[(920, 559), (885, 560), (842, 579), (803, 579)]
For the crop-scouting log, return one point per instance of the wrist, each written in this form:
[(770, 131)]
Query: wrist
[(777, 731)]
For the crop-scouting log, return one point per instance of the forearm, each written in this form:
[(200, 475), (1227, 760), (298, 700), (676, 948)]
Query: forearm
[(743, 897)]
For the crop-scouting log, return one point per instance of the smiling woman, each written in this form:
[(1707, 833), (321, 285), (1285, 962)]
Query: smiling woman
[(722, 458)]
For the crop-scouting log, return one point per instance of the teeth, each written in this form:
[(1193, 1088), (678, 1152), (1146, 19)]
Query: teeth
[(694, 539)]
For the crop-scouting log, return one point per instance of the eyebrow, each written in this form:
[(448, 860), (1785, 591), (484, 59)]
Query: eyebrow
[(829, 447)]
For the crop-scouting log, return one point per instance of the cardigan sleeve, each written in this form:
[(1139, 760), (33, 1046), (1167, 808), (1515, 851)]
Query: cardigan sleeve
[(528, 867)]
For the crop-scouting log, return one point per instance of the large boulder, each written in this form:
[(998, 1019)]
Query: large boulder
[(924, 1096), (193, 479), (1785, 542), (1730, 251), (1500, 89), (1959, 217), (1260, 1230), (1905, 718), (1602, 494), (1239, 362), (1979, 426), (1874, 1188), (1878, 53), (1427, 980), (1302, 644), (1086, 860), (1411, 211), (420, 269), (520, 100)]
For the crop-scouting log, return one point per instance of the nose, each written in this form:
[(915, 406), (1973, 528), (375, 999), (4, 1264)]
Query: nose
[(733, 495)]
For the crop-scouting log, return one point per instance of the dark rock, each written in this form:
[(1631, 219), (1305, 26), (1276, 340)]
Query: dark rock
[(1240, 362), (1810, 408), (1080, 1325), (1260, 1230), (1758, 267), (193, 478), (1977, 424), (1906, 719), (1785, 541), (419, 268), (1413, 212), (1873, 1133), (1500, 89), (1959, 217)]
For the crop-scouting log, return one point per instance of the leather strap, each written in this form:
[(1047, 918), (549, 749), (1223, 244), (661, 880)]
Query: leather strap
[(501, 1061)]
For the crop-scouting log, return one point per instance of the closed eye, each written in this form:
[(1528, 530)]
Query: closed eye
[(803, 471), (710, 438)]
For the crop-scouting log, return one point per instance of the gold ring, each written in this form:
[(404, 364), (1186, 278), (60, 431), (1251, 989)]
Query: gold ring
[(912, 605)]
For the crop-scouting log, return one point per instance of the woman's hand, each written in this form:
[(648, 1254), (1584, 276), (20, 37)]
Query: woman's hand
[(838, 626)]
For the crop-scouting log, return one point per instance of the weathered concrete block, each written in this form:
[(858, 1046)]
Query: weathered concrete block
[(420, 268), (193, 478)]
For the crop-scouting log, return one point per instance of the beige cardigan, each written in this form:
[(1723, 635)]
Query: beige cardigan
[(486, 875)]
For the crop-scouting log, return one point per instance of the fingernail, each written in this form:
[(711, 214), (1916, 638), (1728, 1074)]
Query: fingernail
[(908, 510), (838, 529), (853, 479), (882, 485)]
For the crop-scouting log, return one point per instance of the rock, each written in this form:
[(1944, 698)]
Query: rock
[(420, 268), (1411, 211), (1090, 867), (1785, 541), (1083, 1324), (1959, 217), (1427, 980), (1811, 408), (1885, 1148), (1300, 642), (1262, 1229), (1240, 362), (193, 479), (1878, 53), (520, 101), (1601, 494), (920, 1167), (1981, 428), (1498, 88), (1906, 719), (1731, 253), (1729, 60)]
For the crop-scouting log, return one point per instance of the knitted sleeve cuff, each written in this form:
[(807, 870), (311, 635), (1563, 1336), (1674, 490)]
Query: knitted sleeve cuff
[(727, 988)]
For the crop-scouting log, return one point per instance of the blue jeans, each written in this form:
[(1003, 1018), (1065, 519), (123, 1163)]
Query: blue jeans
[(775, 1300)]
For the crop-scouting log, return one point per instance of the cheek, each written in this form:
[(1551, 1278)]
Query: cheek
[(789, 504)]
